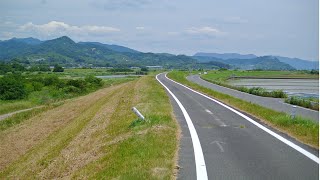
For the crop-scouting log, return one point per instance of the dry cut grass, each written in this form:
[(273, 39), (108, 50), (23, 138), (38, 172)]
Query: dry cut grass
[(94, 137)]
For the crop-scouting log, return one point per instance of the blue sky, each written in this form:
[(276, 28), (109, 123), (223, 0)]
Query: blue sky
[(262, 27)]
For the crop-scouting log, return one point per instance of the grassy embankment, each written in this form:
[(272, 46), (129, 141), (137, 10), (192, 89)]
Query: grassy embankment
[(43, 100), (221, 78), (302, 129), (49, 94), (94, 137)]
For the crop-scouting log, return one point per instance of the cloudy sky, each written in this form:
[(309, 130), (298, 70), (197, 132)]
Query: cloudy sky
[(278, 27)]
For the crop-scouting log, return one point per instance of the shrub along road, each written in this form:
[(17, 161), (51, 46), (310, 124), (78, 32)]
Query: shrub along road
[(233, 146), (271, 103)]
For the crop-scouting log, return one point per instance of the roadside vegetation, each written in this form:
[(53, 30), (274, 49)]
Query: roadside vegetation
[(96, 136), (303, 129), (221, 77), (311, 103)]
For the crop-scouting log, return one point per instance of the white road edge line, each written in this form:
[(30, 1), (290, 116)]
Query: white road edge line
[(284, 140), (198, 154)]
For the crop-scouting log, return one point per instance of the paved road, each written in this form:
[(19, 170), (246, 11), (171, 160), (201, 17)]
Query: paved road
[(232, 147), (271, 103)]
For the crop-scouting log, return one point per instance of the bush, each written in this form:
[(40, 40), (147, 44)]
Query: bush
[(37, 86), (12, 88), (58, 68), (79, 83), (71, 89), (278, 94), (93, 80), (50, 80), (302, 102)]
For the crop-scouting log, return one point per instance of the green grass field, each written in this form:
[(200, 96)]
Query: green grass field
[(304, 130)]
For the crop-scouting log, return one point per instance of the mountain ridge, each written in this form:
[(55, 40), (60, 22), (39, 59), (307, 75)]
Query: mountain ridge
[(65, 51), (299, 64)]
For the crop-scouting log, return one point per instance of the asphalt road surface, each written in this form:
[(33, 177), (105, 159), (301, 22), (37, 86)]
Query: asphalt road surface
[(276, 104), (218, 142)]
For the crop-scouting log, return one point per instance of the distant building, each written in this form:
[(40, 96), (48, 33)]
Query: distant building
[(154, 67), (134, 67)]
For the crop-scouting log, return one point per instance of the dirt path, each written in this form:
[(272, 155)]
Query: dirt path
[(4, 116)]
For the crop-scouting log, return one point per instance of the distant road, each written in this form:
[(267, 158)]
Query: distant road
[(218, 142), (276, 104)]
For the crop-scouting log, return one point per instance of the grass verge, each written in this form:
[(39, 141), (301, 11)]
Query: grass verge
[(304, 130), (311, 103), (22, 116)]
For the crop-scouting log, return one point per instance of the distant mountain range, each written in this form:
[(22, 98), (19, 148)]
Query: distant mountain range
[(239, 59), (226, 55), (66, 52)]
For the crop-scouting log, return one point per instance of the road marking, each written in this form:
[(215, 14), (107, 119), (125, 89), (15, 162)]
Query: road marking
[(218, 143), (198, 154), (208, 111), (284, 140), (222, 124)]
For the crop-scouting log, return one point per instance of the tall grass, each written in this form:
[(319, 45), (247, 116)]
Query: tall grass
[(303, 102)]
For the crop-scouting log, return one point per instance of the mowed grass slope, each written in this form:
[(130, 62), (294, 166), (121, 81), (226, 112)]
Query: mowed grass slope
[(96, 137), (303, 129)]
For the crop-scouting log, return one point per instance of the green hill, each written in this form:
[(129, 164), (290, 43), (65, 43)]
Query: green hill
[(68, 53)]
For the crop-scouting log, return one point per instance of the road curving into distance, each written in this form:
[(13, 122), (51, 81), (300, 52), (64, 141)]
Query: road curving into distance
[(276, 104), (233, 145)]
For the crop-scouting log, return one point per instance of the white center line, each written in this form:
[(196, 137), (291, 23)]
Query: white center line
[(208, 111)]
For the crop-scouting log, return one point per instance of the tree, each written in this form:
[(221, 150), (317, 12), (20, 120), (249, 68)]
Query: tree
[(144, 69), (58, 68), (12, 87)]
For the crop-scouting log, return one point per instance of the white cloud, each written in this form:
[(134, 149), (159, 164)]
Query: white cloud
[(55, 28), (140, 28), (204, 31)]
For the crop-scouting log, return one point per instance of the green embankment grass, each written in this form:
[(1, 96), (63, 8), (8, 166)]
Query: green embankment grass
[(50, 95), (36, 99), (20, 117), (11, 106), (303, 129), (105, 141)]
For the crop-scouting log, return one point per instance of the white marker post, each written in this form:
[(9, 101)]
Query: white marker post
[(135, 110), (293, 112)]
